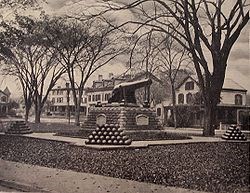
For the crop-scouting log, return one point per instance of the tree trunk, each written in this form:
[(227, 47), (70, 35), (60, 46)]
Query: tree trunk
[(209, 119), (38, 111), (26, 116), (174, 105), (37, 116), (77, 113)]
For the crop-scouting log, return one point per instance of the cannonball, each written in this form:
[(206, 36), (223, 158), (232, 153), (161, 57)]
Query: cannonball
[(109, 141), (116, 133), (115, 141), (91, 137), (122, 133), (125, 137), (117, 125), (99, 133), (108, 129), (106, 125), (102, 137), (98, 141), (94, 132), (104, 141), (121, 141), (92, 141), (113, 137), (128, 141), (108, 137), (96, 137), (105, 133), (111, 133), (87, 141), (103, 129), (114, 129), (98, 129), (118, 137), (120, 129)]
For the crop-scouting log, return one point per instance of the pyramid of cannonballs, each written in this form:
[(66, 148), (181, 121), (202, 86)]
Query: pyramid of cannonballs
[(108, 135), (234, 133), (18, 127)]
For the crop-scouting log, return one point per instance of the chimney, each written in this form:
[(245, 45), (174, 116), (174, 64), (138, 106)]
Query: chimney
[(100, 77), (111, 75)]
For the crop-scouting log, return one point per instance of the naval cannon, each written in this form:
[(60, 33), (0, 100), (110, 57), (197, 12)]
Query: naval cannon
[(125, 92)]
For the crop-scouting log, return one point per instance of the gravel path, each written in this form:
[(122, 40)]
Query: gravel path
[(216, 167)]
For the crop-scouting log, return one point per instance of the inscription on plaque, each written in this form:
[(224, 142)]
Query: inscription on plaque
[(142, 120), (101, 119)]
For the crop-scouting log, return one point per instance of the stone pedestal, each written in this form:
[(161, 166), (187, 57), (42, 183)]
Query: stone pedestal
[(128, 118)]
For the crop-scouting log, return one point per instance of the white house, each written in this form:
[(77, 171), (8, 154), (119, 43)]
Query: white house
[(232, 108), (4, 101)]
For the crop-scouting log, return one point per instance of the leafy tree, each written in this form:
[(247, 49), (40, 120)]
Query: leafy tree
[(83, 47), (29, 57)]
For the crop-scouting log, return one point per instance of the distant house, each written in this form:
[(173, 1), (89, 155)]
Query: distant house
[(101, 89), (58, 103), (232, 108), (4, 101)]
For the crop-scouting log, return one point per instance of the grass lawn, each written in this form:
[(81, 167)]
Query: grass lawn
[(216, 167)]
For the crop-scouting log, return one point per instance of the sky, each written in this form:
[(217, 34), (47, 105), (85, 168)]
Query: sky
[(238, 64)]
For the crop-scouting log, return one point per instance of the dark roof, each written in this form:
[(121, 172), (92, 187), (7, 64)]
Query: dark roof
[(90, 89), (185, 79)]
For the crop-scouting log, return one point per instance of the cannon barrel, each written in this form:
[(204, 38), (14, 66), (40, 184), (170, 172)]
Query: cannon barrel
[(126, 91), (135, 84)]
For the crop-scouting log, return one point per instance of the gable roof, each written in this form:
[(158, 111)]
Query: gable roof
[(229, 84), (7, 91), (185, 79)]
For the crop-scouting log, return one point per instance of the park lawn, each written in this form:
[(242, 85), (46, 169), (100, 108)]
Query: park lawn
[(216, 167)]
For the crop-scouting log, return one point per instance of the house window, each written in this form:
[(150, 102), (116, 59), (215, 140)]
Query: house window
[(180, 98), (189, 86), (189, 98), (238, 99), (89, 98), (59, 100), (4, 99), (53, 100), (98, 97), (158, 111), (107, 96)]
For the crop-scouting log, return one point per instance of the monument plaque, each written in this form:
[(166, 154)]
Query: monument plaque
[(142, 120), (101, 119)]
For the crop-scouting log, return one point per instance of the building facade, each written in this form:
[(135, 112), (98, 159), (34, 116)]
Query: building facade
[(232, 108), (58, 103), (4, 101)]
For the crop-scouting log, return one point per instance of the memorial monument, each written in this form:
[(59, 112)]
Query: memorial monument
[(122, 109)]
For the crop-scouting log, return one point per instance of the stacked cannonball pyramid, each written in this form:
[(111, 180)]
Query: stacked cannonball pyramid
[(109, 135), (18, 127), (233, 133)]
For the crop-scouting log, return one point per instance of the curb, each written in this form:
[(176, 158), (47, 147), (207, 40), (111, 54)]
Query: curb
[(23, 187)]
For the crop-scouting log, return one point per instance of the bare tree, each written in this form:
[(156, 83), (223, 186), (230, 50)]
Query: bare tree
[(206, 29), (31, 59), (171, 59), (84, 47)]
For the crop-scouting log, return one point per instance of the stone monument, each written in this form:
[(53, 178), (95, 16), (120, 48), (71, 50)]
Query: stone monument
[(122, 110)]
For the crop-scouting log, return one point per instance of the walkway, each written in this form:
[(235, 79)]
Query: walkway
[(135, 144), (43, 179)]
